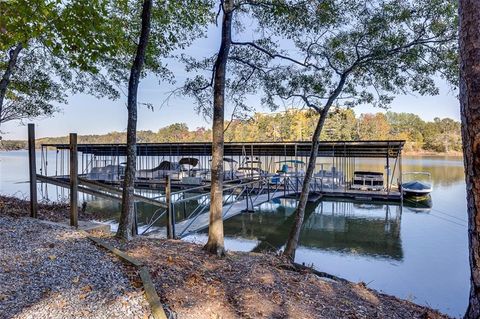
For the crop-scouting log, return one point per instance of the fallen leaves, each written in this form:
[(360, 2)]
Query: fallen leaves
[(85, 291), (196, 285), (56, 212), (86, 288)]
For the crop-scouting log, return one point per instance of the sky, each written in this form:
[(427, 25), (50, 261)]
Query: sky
[(84, 114)]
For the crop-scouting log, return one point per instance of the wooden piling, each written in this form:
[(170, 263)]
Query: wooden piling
[(400, 171), (32, 170), (246, 198), (73, 180)]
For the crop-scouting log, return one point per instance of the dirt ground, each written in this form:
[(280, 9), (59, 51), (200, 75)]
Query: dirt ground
[(194, 284), (51, 211)]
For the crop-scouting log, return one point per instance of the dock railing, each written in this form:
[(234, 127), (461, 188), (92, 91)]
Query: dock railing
[(234, 192)]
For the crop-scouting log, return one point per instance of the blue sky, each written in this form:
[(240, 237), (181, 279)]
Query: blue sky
[(87, 115)]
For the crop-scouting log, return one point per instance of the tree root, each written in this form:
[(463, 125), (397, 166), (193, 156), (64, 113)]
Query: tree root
[(299, 268), (215, 249)]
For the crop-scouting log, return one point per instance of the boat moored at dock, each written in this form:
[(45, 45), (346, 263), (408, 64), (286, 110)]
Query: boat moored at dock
[(417, 184)]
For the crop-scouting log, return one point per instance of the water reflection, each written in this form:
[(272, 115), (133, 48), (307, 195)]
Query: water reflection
[(419, 205), (347, 227)]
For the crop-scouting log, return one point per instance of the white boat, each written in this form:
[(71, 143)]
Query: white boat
[(329, 178), (108, 173), (416, 184), (366, 180), (229, 172), (177, 170)]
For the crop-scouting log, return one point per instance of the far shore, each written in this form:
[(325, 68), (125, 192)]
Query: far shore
[(427, 153), (405, 153)]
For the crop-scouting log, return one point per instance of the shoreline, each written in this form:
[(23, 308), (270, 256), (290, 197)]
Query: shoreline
[(432, 154), (194, 284), (405, 153)]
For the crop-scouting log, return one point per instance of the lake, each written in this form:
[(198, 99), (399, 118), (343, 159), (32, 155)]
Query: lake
[(416, 252)]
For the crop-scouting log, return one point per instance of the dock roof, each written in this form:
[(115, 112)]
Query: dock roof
[(373, 149)]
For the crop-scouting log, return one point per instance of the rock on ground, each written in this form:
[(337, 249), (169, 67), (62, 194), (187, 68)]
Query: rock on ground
[(53, 272)]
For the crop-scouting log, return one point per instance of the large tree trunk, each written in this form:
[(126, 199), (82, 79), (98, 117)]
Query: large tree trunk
[(12, 62), (126, 217), (294, 234), (215, 244), (469, 41)]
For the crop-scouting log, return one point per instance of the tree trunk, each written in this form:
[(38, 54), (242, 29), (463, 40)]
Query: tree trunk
[(12, 62), (126, 218), (294, 234), (469, 41), (215, 244)]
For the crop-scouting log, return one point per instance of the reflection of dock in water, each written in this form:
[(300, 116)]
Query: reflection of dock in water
[(348, 227)]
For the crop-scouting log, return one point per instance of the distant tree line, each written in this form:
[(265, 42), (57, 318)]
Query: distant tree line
[(439, 135), (12, 145)]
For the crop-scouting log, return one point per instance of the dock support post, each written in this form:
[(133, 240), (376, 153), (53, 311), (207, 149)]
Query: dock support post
[(33, 170), (170, 217), (387, 167), (268, 190), (73, 180), (400, 172)]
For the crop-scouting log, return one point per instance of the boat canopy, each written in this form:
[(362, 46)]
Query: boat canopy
[(373, 149), (166, 166), (367, 173), (188, 161), (227, 159), (416, 186), (291, 162)]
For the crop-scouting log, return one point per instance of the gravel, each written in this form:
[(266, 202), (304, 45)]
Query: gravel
[(53, 272)]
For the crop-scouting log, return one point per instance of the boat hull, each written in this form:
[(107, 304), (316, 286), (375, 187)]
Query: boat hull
[(416, 193)]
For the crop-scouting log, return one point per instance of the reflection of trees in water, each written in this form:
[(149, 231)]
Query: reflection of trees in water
[(109, 210), (346, 227), (356, 228), (445, 170)]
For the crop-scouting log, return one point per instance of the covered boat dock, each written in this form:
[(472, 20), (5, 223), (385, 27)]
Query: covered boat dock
[(343, 168), (361, 170)]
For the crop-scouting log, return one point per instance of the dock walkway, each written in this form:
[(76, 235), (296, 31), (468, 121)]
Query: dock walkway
[(200, 222)]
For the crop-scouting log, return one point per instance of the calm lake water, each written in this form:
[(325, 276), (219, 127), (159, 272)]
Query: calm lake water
[(416, 253)]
